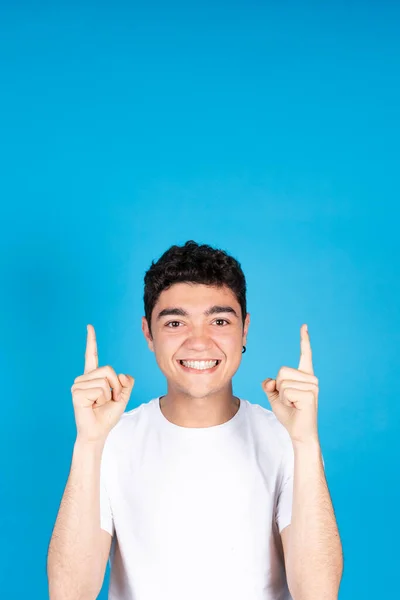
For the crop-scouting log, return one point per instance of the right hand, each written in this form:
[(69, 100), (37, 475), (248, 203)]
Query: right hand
[(97, 408)]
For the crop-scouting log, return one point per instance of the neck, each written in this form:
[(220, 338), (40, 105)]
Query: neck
[(192, 411)]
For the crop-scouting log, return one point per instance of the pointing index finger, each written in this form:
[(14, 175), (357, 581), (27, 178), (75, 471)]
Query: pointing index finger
[(305, 363), (91, 356)]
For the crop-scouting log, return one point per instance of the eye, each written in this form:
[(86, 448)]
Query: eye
[(222, 320), (170, 322)]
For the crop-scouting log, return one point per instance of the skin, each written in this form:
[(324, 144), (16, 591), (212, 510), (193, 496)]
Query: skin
[(79, 549), (293, 395), (197, 399), (311, 543)]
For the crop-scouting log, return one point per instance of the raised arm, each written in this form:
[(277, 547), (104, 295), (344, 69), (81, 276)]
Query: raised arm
[(78, 549)]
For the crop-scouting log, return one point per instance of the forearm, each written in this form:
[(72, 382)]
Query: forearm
[(72, 561), (315, 550)]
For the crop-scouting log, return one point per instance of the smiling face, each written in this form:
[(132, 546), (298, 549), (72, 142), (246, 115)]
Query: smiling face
[(195, 323)]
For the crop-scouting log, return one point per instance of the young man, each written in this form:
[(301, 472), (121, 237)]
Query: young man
[(198, 494)]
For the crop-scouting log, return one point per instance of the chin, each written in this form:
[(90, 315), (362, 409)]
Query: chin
[(198, 391)]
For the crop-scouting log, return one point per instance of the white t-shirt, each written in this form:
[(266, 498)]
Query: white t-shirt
[(196, 513)]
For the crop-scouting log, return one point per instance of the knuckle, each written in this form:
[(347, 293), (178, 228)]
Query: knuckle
[(283, 371)]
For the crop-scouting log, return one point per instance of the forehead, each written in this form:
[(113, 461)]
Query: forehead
[(196, 296)]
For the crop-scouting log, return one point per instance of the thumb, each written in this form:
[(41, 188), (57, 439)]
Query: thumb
[(269, 387), (269, 384), (127, 383)]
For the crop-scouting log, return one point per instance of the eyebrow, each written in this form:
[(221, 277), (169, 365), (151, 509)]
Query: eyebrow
[(213, 310)]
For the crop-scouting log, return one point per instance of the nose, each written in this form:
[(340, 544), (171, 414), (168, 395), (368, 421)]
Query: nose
[(199, 340)]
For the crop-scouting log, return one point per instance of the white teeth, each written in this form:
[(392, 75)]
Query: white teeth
[(199, 364)]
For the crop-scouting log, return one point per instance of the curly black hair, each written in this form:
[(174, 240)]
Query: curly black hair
[(193, 263)]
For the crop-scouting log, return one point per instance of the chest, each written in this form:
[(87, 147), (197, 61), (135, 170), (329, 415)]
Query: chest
[(188, 499)]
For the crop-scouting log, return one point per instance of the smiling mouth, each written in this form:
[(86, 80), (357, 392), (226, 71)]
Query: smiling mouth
[(195, 366)]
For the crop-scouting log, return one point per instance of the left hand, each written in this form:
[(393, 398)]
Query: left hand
[(293, 395)]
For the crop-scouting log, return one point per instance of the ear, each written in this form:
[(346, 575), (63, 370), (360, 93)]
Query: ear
[(246, 328), (146, 333)]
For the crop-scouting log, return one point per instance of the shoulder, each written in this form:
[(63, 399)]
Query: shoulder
[(125, 429), (267, 425)]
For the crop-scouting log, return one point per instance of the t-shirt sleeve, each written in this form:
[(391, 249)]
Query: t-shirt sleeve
[(106, 516), (285, 494)]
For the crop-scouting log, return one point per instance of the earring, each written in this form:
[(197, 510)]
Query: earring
[(244, 349)]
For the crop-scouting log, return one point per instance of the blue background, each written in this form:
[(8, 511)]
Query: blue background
[(268, 129)]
